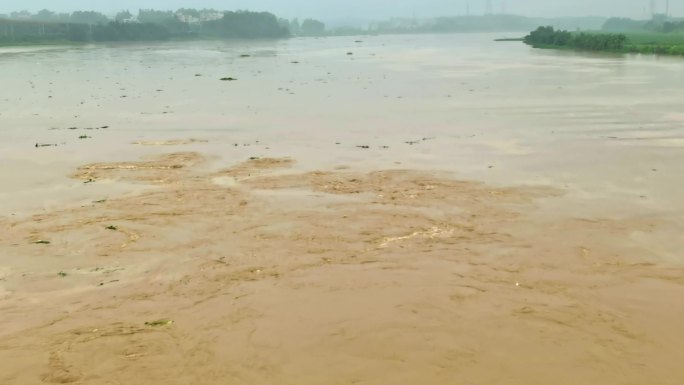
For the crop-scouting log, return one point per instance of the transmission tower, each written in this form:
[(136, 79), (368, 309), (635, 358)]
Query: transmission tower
[(667, 8)]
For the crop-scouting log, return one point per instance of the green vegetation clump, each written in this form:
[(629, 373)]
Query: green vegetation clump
[(244, 24), (159, 323), (643, 43), (312, 27), (549, 37)]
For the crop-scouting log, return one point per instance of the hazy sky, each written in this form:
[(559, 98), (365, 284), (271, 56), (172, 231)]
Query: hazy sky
[(336, 9)]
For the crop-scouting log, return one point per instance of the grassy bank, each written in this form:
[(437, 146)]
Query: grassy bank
[(633, 42), (655, 43)]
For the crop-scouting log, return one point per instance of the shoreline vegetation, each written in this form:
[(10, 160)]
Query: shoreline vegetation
[(49, 28), (661, 35), (627, 43), (149, 25)]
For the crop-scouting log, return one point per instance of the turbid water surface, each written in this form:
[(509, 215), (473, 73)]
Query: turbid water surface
[(370, 210)]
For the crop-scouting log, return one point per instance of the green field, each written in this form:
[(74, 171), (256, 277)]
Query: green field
[(652, 42), (655, 43), (656, 38)]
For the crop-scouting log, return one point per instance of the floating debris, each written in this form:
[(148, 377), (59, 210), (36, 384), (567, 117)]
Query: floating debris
[(175, 142), (159, 323), (228, 79)]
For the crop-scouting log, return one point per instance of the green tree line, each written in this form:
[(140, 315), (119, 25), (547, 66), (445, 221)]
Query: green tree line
[(657, 24), (550, 37), (148, 24)]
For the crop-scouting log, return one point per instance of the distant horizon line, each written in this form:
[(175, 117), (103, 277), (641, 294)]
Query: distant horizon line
[(357, 19)]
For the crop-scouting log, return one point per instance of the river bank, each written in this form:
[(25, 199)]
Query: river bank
[(671, 44)]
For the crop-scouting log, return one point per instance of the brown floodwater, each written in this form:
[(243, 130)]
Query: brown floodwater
[(423, 209), (609, 128), (596, 123)]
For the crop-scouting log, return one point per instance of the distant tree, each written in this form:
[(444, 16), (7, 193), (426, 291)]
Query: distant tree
[(115, 31), (168, 19), (154, 16), (245, 24), (123, 16), (78, 32), (312, 27), (549, 37), (21, 15), (623, 25), (673, 26), (44, 15), (84, 26), (189, 12), (295, 27), (88, 17), (284, 23), (209, 14), (62, 17)]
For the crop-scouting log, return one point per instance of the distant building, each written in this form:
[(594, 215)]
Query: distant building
[(210, 15), (187, 18)]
